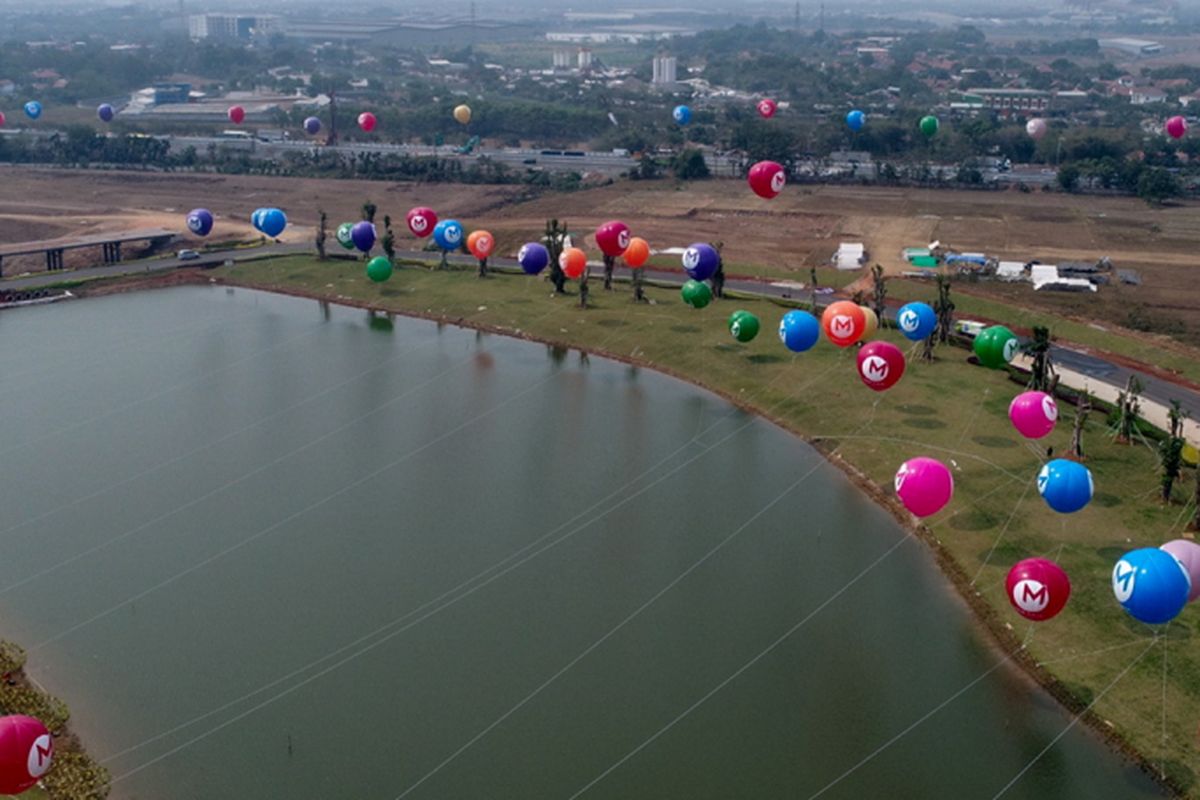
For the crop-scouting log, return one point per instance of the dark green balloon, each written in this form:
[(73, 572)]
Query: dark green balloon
[(996, 346), (743, 325), (379, 269), (929, 125), (343, 235), (696, 294)]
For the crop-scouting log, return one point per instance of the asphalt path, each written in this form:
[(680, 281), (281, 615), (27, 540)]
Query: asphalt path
[(1094, 367)]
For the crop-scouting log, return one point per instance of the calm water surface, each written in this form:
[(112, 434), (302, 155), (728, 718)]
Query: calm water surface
[(267, 549)]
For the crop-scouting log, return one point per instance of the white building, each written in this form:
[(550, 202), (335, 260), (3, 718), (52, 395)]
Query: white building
[(664, 70), (585, 58), (850, 255), (1135, 47), (562, 59), (231, 26)]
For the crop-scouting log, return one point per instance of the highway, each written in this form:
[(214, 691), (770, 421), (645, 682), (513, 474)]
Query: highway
[(1093, 367)]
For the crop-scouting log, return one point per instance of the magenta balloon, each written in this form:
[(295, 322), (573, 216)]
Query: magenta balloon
[(925, 485), (1033, 414), (1176, 127), (1187, 553)]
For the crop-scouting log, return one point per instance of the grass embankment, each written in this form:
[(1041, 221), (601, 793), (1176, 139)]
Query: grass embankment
[(949, 409)]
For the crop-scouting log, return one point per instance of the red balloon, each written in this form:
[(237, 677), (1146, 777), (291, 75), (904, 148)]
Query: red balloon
[(1037, 588), (1, 119), (572, 262), (844, 323), (767, 179), (366, 121), (880, 365), (26, 749), (236, 114), (421, 221), (766, 108), (1176, 127), (613, 238)]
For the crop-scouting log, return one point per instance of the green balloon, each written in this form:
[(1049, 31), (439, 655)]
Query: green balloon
[(343, 235), (379, 269), (929, 125), (743, 325), (696, 294), (996, 346)]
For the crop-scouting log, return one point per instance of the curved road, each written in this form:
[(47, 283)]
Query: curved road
[(1093, 367)]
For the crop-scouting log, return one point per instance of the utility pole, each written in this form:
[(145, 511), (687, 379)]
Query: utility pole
[(821, 19)]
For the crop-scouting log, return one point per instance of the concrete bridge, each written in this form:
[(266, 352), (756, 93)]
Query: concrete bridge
[(109, 244)]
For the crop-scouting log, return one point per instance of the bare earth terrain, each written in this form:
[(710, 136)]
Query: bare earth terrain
[(782, 238)]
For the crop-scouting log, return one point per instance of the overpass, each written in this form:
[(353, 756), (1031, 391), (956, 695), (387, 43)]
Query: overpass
[(110, 244)]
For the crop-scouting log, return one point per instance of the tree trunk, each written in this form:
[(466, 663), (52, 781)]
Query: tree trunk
[(609, 263), (583, 289), (1196, 502), (1082, 407), (639, 294), (483, 267), (927, 348)]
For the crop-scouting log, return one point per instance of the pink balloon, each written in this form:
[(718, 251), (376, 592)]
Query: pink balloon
[(880, 365), (1, 119), (766, 108), (366, 121), (1037, 588), (26, 749), (925, 485), (1033, 414), (1176, 127), (1187, 553), (767, 179)]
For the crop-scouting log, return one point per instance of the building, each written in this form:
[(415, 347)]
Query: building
[(1147, 94), (230, 26), (585, 58), (850, 255), (664, 71), (1005, 100), (1134, 47), (162, 94), (562, 59)]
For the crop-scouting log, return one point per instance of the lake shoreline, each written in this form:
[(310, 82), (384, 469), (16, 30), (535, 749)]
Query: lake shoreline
[(1001, 637)]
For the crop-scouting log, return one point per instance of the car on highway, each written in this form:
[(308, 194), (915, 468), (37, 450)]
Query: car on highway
[(187, 255)]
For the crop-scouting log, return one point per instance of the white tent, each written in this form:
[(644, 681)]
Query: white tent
[(850, 255), (1010, 271)]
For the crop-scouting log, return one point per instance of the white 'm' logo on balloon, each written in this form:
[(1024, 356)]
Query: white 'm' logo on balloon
[(901, 474), (1050, 408), (691, 258), (735, 328), (484, 243), (419, 223), (39, 756), (875, 369), (1124, 577), (1030, 595), (1010, 349), (909, 321), (524, 251), (843, 325), (453, 233), (1043, 478), (782, 331), (193, 223), (777, 181), (623, 239)]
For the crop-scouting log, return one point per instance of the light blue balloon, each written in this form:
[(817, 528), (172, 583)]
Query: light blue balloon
[(799, 331), (856, 119), (682, 115), (916, 321), (448, 234), (1151, 585), (272, 222), (1065, 485), (33, 109)]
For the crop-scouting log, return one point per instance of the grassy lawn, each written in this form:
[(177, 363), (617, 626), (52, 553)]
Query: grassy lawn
[(949, 409)]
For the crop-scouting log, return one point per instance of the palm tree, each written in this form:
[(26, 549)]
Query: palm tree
[(368, 212), (1170, 456), (1177, 415), (556, 234), (1128, 406), (718, 278), (389, 238), (321, 234), (879, 297), (1083, 407), (1042, 375), (944, 307)]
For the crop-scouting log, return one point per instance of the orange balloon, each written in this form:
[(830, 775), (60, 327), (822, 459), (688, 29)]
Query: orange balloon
[(572, 262), (844, 323), (481, 244), (637, 252)]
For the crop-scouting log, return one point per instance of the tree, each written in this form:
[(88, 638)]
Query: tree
[(609, 263), (583, 288), (76, 776), (1176, 415), (647, 168), (1170, 457), (879, 293), (718, 278), (556, 235), (1155, 185), (368, 212), (689, 165), (1128, 406), (1042, 375), (321, 233), (389, 238), (12, 657), (944, 307), (1068, 177), (1083, 407)]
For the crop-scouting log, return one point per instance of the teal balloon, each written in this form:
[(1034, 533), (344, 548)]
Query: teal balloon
[(379, 269)]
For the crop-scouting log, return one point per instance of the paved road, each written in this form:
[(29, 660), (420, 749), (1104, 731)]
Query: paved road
[(1098, 369)]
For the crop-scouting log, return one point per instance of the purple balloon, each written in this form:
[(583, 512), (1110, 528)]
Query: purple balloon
[(312, 125), (363, 236), (200, 221), (1187, 553), (700, 261), (105, 112)]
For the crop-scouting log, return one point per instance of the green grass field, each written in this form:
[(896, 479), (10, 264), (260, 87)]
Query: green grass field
[(950, 409)]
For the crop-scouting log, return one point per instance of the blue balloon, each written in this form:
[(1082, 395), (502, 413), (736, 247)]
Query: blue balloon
[(682, 115), (916, 321), (33, 109), (799, 331), (363, 236), (700, 261), (272, 222), (1151, 585), (856, 119), (312, 125), (200, 221), (105, 112), (533, 257), (448, 234), (1065, 485)]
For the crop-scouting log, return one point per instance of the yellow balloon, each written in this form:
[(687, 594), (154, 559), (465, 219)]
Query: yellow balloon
[(463, 114), (1190, 456), (872, 323)]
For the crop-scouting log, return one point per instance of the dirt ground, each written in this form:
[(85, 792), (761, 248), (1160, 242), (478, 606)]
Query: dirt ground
[(782, 238)]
